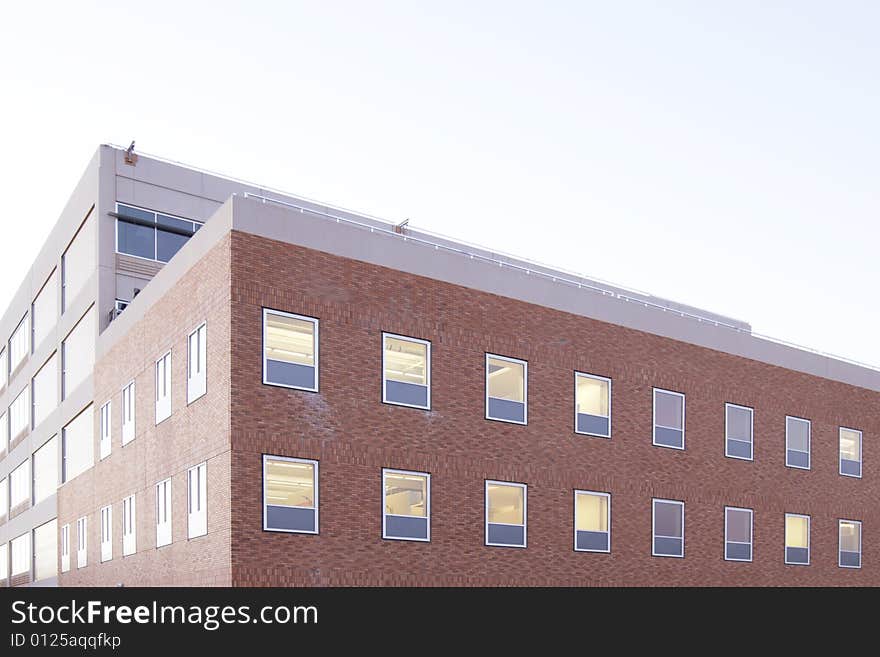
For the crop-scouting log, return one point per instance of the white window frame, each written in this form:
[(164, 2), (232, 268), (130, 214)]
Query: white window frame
[(427, 476), (751, 543), (727, 438), (654, 418), (317, 324), (163, 403), (525, 524), (861, 453), (840, 522), (106, 516), (82, 542), (809, 451), (596, 493), (596, 377), (525, 401), (654, 534), (128, 409), (406, 338), (24, 325), (104, 427), (266, 528), (129, 525), (65, 548), (197, 518), (163, 525), (155, 229), (809, 539), (197, 383)]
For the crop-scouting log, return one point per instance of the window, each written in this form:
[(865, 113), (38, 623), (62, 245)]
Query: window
[(44, 390), (406, 508), (46, 470), (196, 371), (128, 415), (105, 439), (129, 525), (78, 263), (151, 235), (592, 405), (82, 555), (797, 539), (78, 354), (290, 495), (592, 521), (737, 534), (44, 311), (797, 442), (4, 563), (106, 533), (21, 555), (65, 548), (850, 452), (406, 369), (197, 498), (4, 499), (20, 486), (19, 345), (668, 419), (506, 389), (739, 430), (4, 367), (163, 388), (850, 544), (4, 434), (20, 415), (505, 514), (77, 445), (46, 551), (290, 350), (668, 528), (163, 513)]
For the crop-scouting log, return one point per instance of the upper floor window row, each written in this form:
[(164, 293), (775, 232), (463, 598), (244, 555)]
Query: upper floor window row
[(151, 235)]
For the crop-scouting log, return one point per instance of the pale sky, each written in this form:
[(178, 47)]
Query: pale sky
[(721, 154)]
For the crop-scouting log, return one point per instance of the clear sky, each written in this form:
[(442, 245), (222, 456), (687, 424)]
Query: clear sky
[(722, 154)]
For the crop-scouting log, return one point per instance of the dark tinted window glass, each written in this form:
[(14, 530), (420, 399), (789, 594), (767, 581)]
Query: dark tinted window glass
[(175, 224), (128, 211), (167, 244), (135, 240)]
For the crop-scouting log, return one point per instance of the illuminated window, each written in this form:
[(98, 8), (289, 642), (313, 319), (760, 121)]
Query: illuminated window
[(406, 367), (163, 513), (46, 551), (797, 442), (668, 528), (106, 533), (850, 545), (592, 521), (668, 419), (82, 542), (505, 514), (196, 370), (797, 539), (737, 534), (197, 501), (506, 389), (850, 452), (128, 413), (592, 401), (163, 388), (406, 505), (65, 548), (290, 350), (129, 526), (290, 495), (739, 425), (105, 440)]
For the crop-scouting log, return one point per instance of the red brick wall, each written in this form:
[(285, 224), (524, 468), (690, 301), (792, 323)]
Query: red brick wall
[(354, 436)]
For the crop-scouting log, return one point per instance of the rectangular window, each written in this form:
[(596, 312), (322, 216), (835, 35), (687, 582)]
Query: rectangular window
[(65, 548), (44, 390), (46, 551), (506, 389), (739, 429), (78, 353), (592, 405), (737, 534), (797, 442), (106, 533), (196, 370), (406, 508), (4, 499), (20, 487), (4, 434), (78, 263), (106, 442), (20, 415), (151, 235), (82, 543), (19, 345), (4, 367), (668, 419), (128, 415), (290, 495), (850, 452), (850, 544), (46, 470), (44, 311), (406, 370), (77, 445), (197, 500), (163, 388), (592, 521), (21, 556), (668, 528), (505, 514), (4, 564), (129, 526), (163, 513), (290, 350), (797, 539)]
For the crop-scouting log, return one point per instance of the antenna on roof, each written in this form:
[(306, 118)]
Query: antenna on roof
[(130, 156), (400, 228)]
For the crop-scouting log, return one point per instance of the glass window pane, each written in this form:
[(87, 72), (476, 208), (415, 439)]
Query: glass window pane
[(45, 390), (406, 494), (591, 512), (850, 540), (506, 380), (290, 483), (667, 519), (128, 211), (406, 361), (164, 221), (46, 550), (798, 432), (797, 532), (78, 262), (46, 470), (45, 310), (77, 445), (592, 396), (739, 526), (168, 244), (505, 504), (739, 423), (79, 353), (668, 410), (136, 240), (850, 445), (290, 340)]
